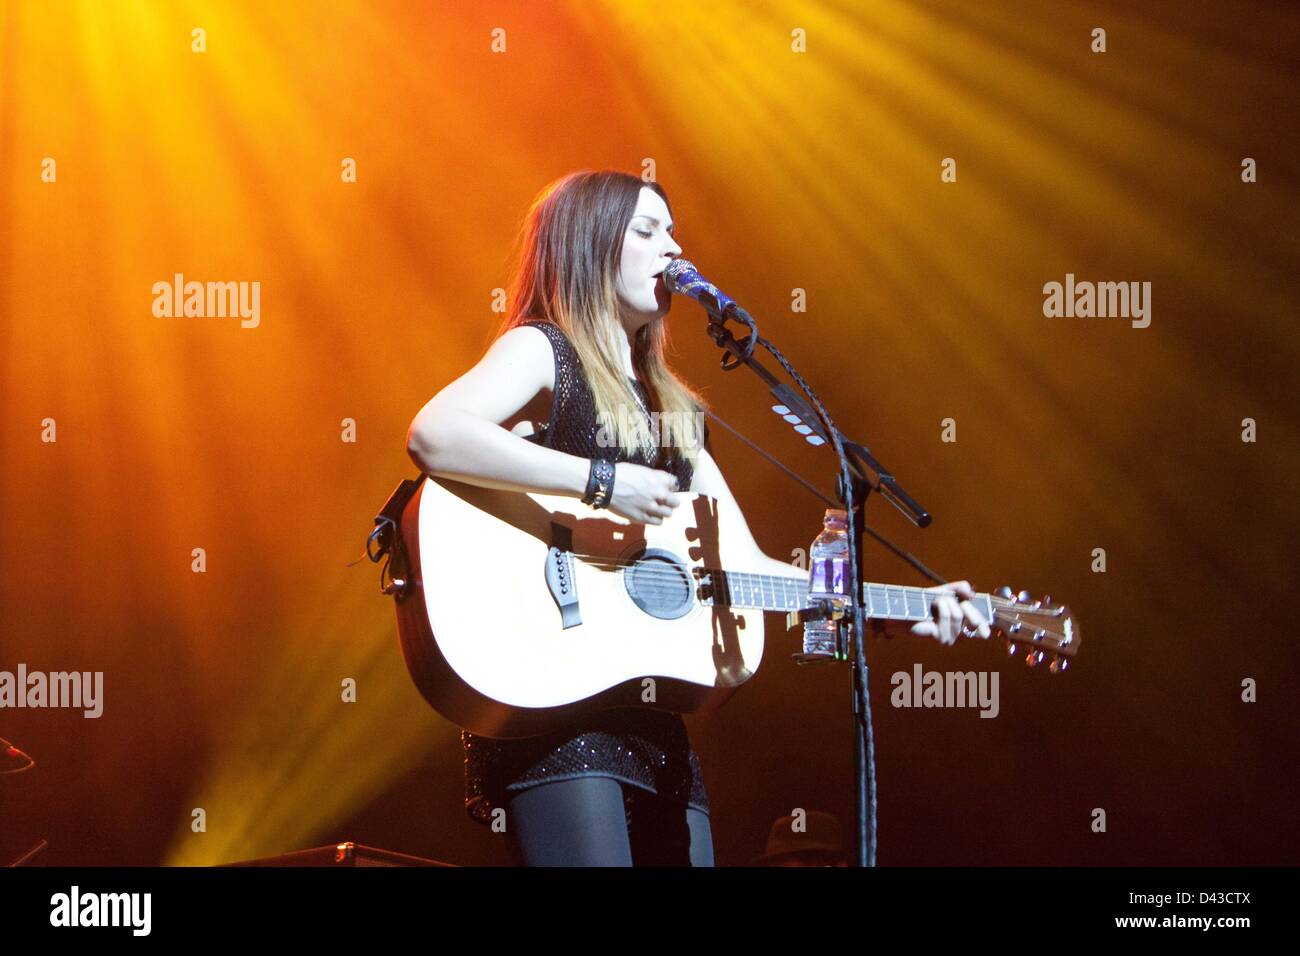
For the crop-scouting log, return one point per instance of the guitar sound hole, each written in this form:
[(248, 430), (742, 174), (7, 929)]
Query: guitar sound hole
[(660, 584)]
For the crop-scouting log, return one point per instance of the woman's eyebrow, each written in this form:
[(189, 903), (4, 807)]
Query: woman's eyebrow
[(671, 225)]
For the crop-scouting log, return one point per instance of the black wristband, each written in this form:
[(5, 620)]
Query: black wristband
[(600, 484)]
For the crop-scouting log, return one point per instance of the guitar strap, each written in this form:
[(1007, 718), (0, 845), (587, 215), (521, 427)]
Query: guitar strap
[(385, 541)]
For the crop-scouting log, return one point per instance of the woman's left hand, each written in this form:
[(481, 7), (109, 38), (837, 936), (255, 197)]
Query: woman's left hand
[(950, 615)]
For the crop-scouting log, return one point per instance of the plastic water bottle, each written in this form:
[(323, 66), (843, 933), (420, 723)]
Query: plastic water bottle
[(828, 560), (828, 568)]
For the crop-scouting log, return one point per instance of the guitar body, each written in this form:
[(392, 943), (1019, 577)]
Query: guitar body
[(523, 611)]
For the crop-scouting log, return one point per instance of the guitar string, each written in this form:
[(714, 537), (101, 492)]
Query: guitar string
[(742, 592), (600, 561), (670, 575), (742, 595)]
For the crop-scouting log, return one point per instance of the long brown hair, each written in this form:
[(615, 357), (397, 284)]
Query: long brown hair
[(566, 272)]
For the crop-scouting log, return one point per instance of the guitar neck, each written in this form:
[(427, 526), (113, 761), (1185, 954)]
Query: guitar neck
[(771, 592)]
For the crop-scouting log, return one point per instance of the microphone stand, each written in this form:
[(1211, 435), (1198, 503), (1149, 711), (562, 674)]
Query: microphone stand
[(859, 474)]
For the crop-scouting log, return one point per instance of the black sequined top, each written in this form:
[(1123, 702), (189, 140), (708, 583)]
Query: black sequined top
[(648, 749)]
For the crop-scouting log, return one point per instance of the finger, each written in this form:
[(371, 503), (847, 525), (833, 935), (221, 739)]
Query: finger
[(976, 619), (963, 588), (943, 615), (955, 618), (925, 629)]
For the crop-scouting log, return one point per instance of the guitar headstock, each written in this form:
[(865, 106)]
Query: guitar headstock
[(1045, 630)]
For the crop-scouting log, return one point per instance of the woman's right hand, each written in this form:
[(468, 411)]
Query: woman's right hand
[(643, 495)]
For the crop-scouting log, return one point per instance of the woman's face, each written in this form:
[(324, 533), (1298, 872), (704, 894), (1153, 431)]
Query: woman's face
[(648, 247)]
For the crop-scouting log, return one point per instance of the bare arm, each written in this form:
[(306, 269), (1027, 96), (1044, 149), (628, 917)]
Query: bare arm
[(458, 434)]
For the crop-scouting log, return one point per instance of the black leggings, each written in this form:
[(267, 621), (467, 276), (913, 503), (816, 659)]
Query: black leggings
[(598, 821)]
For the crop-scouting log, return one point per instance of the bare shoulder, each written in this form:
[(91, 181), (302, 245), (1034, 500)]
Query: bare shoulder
[(513, 381), (528, 349)]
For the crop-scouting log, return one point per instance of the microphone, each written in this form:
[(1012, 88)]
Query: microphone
[(682, 277)]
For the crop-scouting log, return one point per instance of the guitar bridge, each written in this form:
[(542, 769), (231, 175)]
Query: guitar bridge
[(560, 578)]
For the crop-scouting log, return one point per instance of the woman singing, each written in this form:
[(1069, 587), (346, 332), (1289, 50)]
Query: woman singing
[(583, 341)]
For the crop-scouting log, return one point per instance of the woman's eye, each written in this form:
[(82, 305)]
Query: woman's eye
[(643, 232)]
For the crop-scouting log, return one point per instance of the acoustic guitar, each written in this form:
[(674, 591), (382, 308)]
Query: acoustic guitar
[(518, 612)]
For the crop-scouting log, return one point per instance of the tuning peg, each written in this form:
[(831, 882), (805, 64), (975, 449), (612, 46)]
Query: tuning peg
[(1015, 628), (1058, 664), (1003, 592), (1047, 600), (1011, 649), (1022, 597), (1034, 658)]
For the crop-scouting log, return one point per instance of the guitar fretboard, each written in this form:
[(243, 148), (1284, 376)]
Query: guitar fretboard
[(780, 593)]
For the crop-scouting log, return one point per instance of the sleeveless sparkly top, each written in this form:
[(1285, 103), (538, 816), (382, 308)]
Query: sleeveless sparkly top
[(648, 749)]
